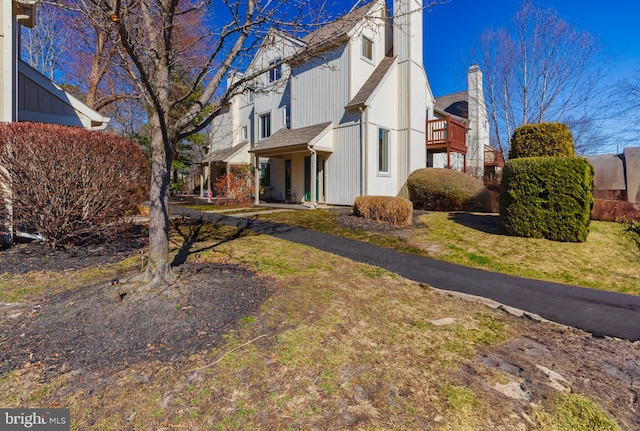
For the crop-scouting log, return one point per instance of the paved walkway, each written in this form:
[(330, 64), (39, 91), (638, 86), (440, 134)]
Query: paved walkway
[(598, 312)]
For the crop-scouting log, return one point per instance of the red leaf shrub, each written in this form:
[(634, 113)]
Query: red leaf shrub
[(235, 188), (70, 183)]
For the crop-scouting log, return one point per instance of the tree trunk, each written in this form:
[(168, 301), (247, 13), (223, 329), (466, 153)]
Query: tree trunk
[(159, 269)]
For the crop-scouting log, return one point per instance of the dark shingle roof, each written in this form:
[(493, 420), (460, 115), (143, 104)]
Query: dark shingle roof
[(339, 27), (371, 84), (223, 155), (456, 104), (287, 138)]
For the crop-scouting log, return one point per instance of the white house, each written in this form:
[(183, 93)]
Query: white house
[(340, 112)]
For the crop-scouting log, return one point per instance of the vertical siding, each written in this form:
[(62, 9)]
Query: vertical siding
[(343, 166), (321, 89)]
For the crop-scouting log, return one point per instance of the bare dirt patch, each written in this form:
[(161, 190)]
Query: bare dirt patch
[(91, 329)]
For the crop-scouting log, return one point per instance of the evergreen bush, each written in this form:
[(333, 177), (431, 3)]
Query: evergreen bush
[(436, 189), (541, 140), (547, 197)]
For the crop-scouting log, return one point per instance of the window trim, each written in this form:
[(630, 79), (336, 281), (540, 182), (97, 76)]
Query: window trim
[(244, 133), (261, 125), (275, 74), (384, 165), (365, 41)]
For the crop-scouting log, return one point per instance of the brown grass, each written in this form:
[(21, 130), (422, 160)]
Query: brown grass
[(389, 209)]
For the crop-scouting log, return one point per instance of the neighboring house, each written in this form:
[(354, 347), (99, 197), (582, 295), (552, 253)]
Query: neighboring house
[(27, 95), (459, 134), (616, 185), (338, 114)]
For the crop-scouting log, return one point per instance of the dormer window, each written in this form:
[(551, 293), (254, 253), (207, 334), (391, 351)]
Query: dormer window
[(367, 48), (276, 73)]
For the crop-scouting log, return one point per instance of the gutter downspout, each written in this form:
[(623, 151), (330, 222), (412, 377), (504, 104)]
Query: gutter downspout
[(363, 162), (313, 176)]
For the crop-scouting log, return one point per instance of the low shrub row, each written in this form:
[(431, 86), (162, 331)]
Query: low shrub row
[(394, 210)]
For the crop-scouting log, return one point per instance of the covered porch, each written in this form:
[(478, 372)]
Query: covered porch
[(218, 163), (285, 161)]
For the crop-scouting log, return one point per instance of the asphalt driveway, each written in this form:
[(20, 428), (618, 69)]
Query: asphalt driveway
[(598, 312)]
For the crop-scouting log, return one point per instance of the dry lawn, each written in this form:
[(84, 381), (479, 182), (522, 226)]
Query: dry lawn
[(342, 345)]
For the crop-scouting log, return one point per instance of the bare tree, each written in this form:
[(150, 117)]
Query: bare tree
[(44, 45), (180, 65), (543, 69)]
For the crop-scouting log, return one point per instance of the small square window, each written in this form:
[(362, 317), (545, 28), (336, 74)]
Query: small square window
[(367, 48), (276, 73), (383, 151), (265, 126)]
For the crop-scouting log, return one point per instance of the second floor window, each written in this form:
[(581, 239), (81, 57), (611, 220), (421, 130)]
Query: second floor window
[(367, 48), (244, 134), (275, 73), (265, 126)]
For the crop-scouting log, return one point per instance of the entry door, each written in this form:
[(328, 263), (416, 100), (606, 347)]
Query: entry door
[(307, 179)]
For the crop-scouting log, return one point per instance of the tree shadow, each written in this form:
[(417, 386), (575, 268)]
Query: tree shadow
[(488, 223)]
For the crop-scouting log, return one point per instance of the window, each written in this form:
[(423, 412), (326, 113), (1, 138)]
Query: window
[(265, 126), (265, 174), (250, 96), (287, 117), (275, 73), (244, 134), (367, 48), (383, 151)]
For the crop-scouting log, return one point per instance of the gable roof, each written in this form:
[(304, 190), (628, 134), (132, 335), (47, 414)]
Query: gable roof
[(75, 112), (362, 98), (335, 30), (224, 155), (456, 104)]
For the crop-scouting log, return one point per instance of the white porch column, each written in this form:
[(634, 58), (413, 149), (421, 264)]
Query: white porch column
[(314, 177), (256, 170)]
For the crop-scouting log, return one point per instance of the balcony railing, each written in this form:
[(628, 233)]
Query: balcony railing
[(448, 134)]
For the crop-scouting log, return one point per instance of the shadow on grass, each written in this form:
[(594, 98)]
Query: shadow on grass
[(488, 223)]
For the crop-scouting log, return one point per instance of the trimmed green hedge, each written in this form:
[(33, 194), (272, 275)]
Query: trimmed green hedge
[(436, 189), (547, 197), (541, 140)]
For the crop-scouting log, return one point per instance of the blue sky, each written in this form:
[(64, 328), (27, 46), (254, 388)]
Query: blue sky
[(452, 29)]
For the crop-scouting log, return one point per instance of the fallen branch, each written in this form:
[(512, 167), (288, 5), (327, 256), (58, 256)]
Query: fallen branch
[(223, 356)]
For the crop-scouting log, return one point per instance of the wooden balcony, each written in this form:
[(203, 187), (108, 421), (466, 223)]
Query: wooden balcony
[(447, 134)]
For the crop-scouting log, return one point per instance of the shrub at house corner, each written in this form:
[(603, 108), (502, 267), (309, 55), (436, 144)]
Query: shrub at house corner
[(436, 189), (69, 183), (546, 192)]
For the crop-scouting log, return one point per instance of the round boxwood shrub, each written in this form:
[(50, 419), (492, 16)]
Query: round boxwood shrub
[(438, 189), (542, 140)]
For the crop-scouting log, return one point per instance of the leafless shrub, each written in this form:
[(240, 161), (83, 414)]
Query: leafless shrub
[(394, 210), (68, 183)]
